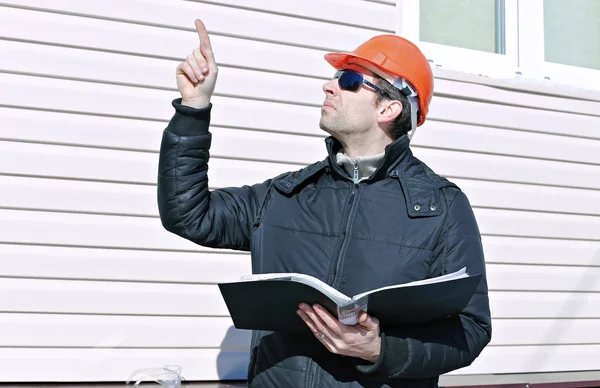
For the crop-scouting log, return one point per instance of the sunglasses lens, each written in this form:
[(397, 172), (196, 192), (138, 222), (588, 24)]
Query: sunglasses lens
[(350, 81)]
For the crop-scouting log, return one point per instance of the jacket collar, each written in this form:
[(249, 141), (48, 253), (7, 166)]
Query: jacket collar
[(395, 152), (420, 185), (286, 183)]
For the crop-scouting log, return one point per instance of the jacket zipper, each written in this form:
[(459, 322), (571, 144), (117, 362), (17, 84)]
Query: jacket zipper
[(312, 367), (351, 200)]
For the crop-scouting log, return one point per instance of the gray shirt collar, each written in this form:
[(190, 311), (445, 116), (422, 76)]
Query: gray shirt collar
[(362, 168)]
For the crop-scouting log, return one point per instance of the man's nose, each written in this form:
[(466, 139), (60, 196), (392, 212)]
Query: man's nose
[(331, 87)]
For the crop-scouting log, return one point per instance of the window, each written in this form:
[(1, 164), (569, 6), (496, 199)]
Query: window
[(553, 39), (572, 32), (446, 22), (467, 35)]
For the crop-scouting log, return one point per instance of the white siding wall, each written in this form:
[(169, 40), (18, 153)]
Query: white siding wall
[(91, 285)]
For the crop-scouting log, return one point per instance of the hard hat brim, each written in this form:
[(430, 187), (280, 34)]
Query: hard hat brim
[(339, 60)]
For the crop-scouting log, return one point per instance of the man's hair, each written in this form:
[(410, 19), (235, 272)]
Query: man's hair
[(401, 124)]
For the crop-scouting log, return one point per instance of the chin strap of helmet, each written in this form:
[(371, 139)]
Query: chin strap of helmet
[(413, 99)]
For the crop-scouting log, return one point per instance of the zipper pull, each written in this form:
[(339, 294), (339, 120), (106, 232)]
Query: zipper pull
[(356, 177), (352, 194)]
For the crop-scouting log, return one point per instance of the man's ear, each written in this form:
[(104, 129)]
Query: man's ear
[(389, 110)]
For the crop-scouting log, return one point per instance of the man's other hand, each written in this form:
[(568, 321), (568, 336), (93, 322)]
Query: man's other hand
[(362, 340)]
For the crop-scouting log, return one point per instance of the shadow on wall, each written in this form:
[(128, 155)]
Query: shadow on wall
[(570, 309), (232, 361)]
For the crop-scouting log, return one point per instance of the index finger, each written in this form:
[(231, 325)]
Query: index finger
[(202, 33), (332, 323)]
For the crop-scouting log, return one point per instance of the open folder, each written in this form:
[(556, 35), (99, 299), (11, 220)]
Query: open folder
[(270, 301)]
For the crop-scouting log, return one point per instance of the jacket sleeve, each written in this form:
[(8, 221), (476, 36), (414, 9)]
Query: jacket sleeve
[(427, 351), (221, 218)]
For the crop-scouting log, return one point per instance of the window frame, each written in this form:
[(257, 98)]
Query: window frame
[(524, 48), (532, 49), (462, 59)]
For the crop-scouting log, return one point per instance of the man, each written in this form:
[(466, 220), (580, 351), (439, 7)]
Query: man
[(367, 216)]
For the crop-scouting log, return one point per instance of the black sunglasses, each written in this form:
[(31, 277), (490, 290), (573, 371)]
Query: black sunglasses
[(352, 80)]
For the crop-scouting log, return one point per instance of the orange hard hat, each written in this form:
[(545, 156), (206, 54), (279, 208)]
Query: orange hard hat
[(397, 57)]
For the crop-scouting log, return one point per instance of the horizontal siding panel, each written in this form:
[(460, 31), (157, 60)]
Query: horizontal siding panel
[(30, 227), (497, 95), (158, 73), (518, 118), (80, 163), (82, 130), (88, 33), (529, 224), (509, 169), (518, 250), (39, 227), (218, 19), (543, 278), (505, 142), (211, 364), (226, 142), (135, 199), (213, 266), (120, 166), (540, 305), (116, 365), (204, 266), (150, 104), (78, 196), (45, 330), (359, 13), (545, 331), (55, 330), (102, 297), (128, 298), (94, 164), (21, 124), (534, 359), (530, 197)]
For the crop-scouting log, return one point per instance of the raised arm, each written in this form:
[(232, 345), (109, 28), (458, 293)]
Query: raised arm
[(222, 218)]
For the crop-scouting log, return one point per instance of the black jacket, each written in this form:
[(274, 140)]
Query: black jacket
[(404, 223)]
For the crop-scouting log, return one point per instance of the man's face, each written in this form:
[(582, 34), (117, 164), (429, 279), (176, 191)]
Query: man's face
[(345, 112)]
